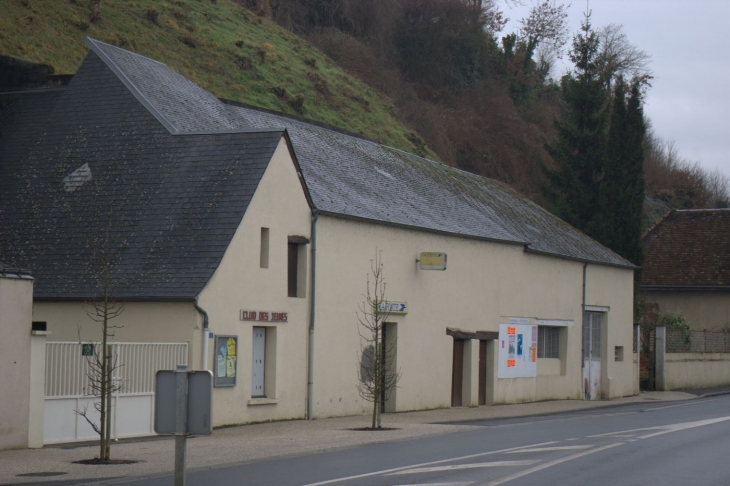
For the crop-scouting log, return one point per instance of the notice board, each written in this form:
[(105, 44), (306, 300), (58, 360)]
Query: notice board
[(517, 351), (225, 361)]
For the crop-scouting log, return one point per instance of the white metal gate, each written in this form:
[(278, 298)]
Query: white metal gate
[(592, 355), (67, 388)]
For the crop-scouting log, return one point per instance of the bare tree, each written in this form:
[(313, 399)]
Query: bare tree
[(619, 57), (546, 25), (718, 185), (102, 308), (377, 377)]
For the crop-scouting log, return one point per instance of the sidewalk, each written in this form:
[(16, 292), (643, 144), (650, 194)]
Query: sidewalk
[(261, 441)]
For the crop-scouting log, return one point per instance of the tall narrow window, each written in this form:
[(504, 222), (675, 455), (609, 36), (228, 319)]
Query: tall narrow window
[(293, 266), (297, 266), (264, 248)]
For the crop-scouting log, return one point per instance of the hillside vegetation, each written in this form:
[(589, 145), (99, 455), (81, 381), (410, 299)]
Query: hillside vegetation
[(220, 45)]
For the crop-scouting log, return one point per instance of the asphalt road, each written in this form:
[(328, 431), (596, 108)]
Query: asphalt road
[(686, 443)]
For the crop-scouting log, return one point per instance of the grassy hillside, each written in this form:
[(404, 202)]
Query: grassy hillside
[(219, 45)]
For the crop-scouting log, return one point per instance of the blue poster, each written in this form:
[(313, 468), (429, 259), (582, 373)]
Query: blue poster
[(519, 345)]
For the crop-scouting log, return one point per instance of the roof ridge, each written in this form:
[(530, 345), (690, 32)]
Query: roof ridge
[(88, 39), (658, 222), (301, 119), (92, 43)]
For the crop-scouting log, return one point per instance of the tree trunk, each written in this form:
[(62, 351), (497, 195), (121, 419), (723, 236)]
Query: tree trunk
[(108, 424)]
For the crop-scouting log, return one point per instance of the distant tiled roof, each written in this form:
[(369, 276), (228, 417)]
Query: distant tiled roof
[(90, 164), (688, 248), (353, 177)]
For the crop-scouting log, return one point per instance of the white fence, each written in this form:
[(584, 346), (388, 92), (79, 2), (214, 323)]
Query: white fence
[(68, 388)]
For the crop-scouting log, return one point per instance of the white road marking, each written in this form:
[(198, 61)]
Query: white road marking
[(439, 484), (548, 449), (442, 461), (550, 464), (466, 466), (662, 429), (700, 402)]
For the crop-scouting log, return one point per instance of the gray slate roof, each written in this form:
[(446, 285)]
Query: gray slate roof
[(352, 177), (90, 164), (175, 168)]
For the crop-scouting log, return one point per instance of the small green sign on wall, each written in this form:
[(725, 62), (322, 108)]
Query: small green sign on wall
[(87, 350)]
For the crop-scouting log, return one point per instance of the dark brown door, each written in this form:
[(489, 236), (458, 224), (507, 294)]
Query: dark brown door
[(457, 377), (482, 372)]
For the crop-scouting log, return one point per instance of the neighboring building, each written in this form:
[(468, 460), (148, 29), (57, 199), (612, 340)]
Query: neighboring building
[(262, 227), (16, 356), (687, 266)]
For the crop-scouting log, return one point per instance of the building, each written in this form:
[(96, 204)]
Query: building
[(687, 267), (243, 239)]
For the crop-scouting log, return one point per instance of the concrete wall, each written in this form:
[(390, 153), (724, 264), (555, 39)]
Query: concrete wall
[(696, 370), (704, 310), (16, 299), (484, 285)]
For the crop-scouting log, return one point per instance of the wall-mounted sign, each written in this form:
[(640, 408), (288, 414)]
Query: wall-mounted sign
[(554, 322), (394, 307), (517, 351), (264, 316), (432, 260), (225, 360), (87, 349)]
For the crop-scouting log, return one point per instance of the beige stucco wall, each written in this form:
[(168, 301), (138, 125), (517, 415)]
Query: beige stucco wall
[(696, 370), (16, 299), (240, 283), (484, 285), (614, 287), (159, 322), (704, 310)]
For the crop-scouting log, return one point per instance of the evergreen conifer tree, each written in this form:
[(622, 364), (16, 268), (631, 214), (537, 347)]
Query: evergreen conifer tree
[(622, 185), (579, 149)]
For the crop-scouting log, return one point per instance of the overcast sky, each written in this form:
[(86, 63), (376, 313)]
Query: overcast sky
[(689, 101)]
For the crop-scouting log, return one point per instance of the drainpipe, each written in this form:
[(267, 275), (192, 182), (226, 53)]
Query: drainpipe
[(310, 351), (582, 320), (585, 267), (206, 334)]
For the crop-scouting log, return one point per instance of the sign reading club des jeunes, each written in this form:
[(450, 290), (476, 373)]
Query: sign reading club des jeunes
[(264, 316)]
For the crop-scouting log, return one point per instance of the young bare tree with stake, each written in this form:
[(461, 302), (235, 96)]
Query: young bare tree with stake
[(101, 362), (377, 377)]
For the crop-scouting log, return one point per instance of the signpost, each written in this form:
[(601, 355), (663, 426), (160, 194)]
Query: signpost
[(183, 406)]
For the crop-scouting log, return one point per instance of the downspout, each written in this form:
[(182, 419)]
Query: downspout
[(206, 334), (312, 293), (585, 267), (583, 318)]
